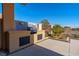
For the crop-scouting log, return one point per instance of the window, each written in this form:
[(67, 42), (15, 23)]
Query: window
[(39, 37), (24, 40)]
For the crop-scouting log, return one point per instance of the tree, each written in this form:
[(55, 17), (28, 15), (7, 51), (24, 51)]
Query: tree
[(57, 29), (45, 23), (46, 26)]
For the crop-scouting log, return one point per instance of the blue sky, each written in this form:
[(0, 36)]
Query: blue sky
[(63, 14)]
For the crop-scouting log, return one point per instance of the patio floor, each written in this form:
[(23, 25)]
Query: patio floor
[(49, 47)]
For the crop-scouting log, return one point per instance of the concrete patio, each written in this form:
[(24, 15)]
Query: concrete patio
[(45, 48), (49, 47)]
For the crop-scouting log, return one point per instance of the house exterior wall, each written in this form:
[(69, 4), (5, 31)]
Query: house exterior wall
[(13, 40)]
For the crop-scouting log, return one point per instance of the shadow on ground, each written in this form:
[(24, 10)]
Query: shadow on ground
[(35, 50)]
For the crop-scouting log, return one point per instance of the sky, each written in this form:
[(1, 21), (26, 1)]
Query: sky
[(65, 14)]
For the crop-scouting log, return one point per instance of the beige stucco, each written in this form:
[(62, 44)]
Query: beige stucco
[(34, 36), (14, 40)]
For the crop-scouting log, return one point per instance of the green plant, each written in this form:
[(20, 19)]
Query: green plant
[(57, 30), (45, 23), (46, 26), (76, 35)]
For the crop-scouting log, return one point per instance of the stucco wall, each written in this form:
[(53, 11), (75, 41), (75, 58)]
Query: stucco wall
[(14, 40), (34, 36)]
